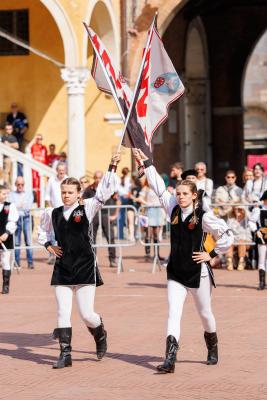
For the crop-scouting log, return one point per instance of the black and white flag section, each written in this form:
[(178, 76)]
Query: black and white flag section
[(110, 80), (157, 86)]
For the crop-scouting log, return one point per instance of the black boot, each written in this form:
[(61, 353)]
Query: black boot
[(147, 250), (64, 336), (262, 275), (100, 336), (6, 281), (171, 351), (212, 346)]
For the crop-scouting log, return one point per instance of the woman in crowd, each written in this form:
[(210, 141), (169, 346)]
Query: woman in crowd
[(204, 183), (75, 269), (238, 223), (154, 214), (255, 188), (124, 192), (188, 268), (247, 175)]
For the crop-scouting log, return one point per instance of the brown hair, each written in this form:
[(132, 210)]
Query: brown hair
[(72, 181), (193, 189), (177, 165)]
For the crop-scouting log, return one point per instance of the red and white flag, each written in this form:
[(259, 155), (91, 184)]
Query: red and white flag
[(107, 76), (159, 86)]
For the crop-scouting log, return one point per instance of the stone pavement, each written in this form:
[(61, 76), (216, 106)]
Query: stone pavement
[(134, 309)]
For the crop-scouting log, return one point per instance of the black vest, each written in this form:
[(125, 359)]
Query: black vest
[(3, 222), (262, 226), (185, 239), (77, 266)]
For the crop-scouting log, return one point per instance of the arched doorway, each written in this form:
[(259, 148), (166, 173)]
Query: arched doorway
[(197, 98), (255, 103)]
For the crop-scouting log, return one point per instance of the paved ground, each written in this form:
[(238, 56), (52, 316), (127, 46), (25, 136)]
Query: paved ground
[(134, 309)]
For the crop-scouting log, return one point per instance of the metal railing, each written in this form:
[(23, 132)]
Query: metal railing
[(29, 164), (109, 235)]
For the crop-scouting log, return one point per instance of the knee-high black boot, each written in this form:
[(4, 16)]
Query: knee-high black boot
[(160, 258), (212, 346), (171, 351), (6, 281), (147, 249), (262, 275), (100, 336), (64, 337)]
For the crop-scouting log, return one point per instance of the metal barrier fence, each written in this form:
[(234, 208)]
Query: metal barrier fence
[(123, 226)]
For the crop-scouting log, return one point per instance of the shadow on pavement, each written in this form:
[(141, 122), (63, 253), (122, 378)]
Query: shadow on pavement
[(25, 343), (231, 285), (154, 285)]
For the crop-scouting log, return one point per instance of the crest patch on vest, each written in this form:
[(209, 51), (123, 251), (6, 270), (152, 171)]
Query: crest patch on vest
[(6, 209), (77, 215)]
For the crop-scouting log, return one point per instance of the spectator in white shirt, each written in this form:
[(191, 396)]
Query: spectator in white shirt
[(53, 191), (229, 193), (23, 200), (255, 188), (203, 182)]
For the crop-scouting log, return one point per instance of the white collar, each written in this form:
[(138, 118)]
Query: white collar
[(68, 208), (187, 210)]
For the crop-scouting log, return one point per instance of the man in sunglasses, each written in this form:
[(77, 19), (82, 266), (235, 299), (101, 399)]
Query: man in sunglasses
[(228, 193)]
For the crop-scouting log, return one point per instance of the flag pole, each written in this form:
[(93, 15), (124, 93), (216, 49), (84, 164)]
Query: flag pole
[(105, 73), (137, 82)]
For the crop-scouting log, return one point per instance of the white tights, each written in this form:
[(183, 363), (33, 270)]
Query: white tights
[(202, 298), (85, 295), (262, 250)]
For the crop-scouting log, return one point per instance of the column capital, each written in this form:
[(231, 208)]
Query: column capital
[(76, 79)]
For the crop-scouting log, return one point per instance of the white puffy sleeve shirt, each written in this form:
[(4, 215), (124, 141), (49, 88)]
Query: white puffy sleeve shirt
[(210, 223), (105, 189)]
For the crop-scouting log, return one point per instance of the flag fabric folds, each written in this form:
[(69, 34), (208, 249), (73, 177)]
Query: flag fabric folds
[(111, 77), (157, 87)]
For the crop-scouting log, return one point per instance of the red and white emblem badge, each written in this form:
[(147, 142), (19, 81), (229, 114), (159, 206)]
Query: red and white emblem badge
[(77, 215)]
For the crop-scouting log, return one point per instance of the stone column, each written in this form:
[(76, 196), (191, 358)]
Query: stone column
[(76, 79)]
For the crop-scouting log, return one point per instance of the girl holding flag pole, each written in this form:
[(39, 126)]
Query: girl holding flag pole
[(188, 268), (75, 269)]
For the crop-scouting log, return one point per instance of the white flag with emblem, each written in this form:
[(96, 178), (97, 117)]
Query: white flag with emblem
[(159, 86)]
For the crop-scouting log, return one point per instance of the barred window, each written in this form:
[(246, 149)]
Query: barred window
[(16, 23)]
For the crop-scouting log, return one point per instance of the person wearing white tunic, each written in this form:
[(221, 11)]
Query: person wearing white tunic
[(188, 269), (255, 188), (75, 268)]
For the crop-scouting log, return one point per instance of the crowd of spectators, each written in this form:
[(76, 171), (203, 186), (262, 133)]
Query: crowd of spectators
[(233, 203)]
